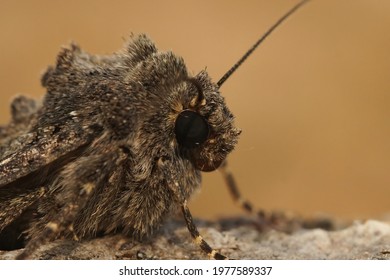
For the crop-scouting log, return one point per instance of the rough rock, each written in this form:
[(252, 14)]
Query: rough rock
[(237, 238)]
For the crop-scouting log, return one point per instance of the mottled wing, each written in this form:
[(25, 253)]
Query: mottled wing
[(26, 173), (45, 150)]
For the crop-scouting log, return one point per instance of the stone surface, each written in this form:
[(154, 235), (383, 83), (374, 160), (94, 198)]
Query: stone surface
[(238, 238)]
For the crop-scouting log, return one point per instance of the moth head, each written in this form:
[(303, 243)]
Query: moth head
[(207, 131), (204, 126)]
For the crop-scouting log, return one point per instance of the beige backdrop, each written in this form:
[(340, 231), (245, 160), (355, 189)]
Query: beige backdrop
[(313, 102)]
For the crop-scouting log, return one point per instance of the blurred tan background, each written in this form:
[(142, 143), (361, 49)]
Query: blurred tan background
[(313, 102)]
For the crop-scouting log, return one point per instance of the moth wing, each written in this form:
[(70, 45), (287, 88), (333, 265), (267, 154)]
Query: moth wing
[(44, 154)]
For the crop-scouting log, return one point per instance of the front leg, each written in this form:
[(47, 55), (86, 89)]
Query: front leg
[(264, 219), (177, 189), (198, 239)]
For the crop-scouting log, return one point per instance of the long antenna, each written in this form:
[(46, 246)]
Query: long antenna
[(265, 35)]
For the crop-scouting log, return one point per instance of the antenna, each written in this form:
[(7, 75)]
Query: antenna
[(262, 38)]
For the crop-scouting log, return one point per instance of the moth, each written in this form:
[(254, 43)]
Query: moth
[(117, 144)]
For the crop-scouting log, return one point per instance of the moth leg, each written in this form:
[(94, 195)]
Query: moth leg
[(198, 239), (238, 199), (179, 196), (233, 188)]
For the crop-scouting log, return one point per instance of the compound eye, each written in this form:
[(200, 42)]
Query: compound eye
[(191, 129)]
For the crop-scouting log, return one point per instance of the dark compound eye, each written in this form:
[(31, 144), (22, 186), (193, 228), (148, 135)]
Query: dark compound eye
[(191, 129)]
